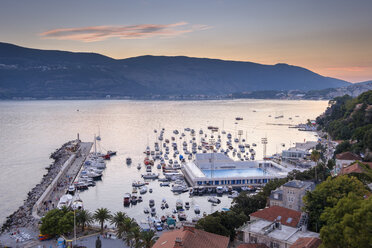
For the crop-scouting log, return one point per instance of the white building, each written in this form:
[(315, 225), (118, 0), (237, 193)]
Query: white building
[(217, 169)]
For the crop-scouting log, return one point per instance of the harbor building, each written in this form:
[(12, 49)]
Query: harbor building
[(290, 194), (217, 169)]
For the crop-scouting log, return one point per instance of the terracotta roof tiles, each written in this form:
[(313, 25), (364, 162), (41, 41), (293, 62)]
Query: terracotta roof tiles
[(287, 217), (306, 242)]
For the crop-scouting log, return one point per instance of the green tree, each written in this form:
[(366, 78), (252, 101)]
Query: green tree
[(212, 224), (348, 224), (315, 156), (133, 237), (83, 218), (148, 238), (124, 229), (101, 215), (327, 194), (118, 218), (57, 222)]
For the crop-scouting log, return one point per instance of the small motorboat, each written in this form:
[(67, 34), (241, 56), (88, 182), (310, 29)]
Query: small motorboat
[(150, 190), (214, 200), (129, 161), (133, 199), (150, 176), (111, 153), (138, 166), (127, 197), (143, 190), (182, 215), (187, 205), (179, 204), (197, 209), (153, 211), (138, 184), (164, 184), (146, 210), (71, 190), (151, 203), (233, 194), (139, 199)]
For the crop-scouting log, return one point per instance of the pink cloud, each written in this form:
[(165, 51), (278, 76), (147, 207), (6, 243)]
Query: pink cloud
[(143, 31)]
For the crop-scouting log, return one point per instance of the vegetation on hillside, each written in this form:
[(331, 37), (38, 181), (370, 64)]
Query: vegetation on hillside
[(350, 119)]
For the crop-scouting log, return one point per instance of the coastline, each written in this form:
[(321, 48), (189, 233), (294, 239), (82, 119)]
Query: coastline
[(24, 216)]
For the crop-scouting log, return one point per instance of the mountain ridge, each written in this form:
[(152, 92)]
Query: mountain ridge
[(36, 73)]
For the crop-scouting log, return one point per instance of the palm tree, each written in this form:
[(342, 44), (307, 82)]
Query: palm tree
[(147, 238), (84, 217), (101, 215), (315, 156), (125, 229), (134, 237), (118, 218)]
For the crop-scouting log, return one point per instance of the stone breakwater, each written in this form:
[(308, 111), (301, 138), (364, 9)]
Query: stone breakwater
[(23, 216)]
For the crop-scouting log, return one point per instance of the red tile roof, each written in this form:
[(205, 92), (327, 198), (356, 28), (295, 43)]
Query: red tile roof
[(253, 246), (191, 238), (306, 243), (347, 156), (273, 212), (355, 168)]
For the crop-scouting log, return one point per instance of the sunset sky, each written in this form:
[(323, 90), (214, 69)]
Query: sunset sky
[(330, 37)]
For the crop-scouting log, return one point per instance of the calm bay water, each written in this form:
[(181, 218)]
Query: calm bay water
[(31, 130)]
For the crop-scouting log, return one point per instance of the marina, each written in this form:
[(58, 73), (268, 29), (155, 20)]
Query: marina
[(117, 176)]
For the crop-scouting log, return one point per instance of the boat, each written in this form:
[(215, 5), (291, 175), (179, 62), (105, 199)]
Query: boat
[(153, 211), (179, 188), (134, 190), (182, 215), (77, 204), (151, 203), (139, 166), (197, 209), (143, 190), (111, 153), (164, 184), (150, 190), (139, 199), (150, 176), (179, 204), (158, 166), (129, 161), (133, 199), (138, 184), (71, 190), (239, 118), (233, 194), (214, 200), (65, 201), (187, 205), (163, 180)]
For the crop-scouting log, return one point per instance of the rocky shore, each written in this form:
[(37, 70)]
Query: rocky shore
[(23, 216)]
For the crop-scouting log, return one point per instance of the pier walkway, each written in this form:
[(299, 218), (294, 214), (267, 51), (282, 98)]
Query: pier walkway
[(50, 198)]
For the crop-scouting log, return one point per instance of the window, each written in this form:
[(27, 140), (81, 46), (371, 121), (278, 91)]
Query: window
[(253, 239), (274, 245)]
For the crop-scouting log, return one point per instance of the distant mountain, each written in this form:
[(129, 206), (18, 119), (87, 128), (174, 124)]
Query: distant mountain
[(26, 72)]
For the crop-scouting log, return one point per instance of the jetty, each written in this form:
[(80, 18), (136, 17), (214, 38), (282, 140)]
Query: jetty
[(44, 196)]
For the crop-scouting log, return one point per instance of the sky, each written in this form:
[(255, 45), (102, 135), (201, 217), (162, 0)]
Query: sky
[(330, 37)]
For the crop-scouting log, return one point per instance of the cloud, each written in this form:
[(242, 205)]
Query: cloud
[(142, 31)]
